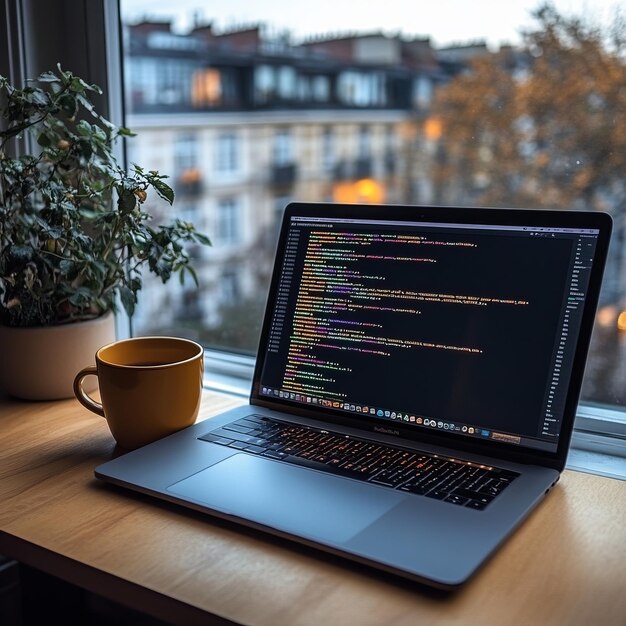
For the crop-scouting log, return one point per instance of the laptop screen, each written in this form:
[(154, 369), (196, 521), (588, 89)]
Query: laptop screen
[(468, 329)]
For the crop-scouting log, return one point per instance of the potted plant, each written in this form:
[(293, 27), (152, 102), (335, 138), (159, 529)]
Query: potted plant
[(74, 237)]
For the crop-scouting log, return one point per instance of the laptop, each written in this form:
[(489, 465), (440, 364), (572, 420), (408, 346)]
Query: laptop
[(415, 387)]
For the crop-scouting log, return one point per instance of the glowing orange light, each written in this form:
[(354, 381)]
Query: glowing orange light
[(206, 88), (364, 191), (370, 191), (606, 316), (190, 176), (433, 128), (621, 321)]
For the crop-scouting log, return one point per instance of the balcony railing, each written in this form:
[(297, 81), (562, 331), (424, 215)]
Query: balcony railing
[(353, 170), (189, 184), (363, 168), (283, 175)]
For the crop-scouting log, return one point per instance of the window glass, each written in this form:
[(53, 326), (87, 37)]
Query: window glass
[(207, 88), (228, 223), (283, 147), (447, 109), (287, 82), (320, 86), (328, 149), (227, 159), (264, 83)]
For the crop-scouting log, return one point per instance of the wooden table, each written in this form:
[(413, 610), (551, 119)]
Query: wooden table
[(565, 565)]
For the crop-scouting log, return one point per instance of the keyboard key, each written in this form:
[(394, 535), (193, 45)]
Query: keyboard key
[(216, 439), (419, 490), (475, 504), (437, 494), (296, 460), (232, 434), (456, 500), (472, 495), (249, 422), (274, 455), (238, 428)]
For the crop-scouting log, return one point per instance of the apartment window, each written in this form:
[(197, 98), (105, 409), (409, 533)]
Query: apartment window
[(422, 92), (228, 223), (320, 88), (364, 142), (264, 83), (159, 82), (361, 89), (227, 157), (283, 147), (207, 88), (287, 82), (230, 292), (185, 153), (304, 88), (328, 149)]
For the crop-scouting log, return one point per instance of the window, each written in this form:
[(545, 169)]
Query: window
[(157, 82), (185, 153), (421, 145), (227, 157), (228, 223), (283, 147), (287, 82), (207, 88), (187, 174), (364, 143), (422, 92), (440, 154), (390, 150), (264, 83), (229, 288), (328, 149), (320, 88)]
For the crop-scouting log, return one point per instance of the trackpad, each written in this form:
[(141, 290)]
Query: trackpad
[(298, 501)]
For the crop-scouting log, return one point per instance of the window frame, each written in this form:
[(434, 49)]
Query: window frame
[(85, 36)]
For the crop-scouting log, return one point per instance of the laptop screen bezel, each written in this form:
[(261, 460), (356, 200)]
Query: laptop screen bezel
[(453, 215)]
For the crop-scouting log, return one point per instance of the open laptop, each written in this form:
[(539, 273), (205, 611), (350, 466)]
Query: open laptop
[(415, 386)]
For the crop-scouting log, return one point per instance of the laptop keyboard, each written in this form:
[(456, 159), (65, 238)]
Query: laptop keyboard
[(459, 482)]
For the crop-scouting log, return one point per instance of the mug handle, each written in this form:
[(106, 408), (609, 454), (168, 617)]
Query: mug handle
[(81, 395)]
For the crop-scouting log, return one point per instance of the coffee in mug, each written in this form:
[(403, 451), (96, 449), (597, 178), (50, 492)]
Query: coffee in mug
[(150, 387)]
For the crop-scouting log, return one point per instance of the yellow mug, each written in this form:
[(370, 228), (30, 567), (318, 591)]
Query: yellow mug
[(150, 387)]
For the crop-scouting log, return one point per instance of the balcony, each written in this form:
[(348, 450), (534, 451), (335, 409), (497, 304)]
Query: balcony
[(391, 163), (189, 184), (342, 171), (363, 168), (353, 170), (283, 175)]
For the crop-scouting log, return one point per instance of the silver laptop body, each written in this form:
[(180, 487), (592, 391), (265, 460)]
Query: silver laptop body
[(451, 341)]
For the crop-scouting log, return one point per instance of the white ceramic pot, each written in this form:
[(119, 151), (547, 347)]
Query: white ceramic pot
[(40, 363)]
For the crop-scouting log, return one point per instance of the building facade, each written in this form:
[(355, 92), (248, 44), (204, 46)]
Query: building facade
[(243, 126)]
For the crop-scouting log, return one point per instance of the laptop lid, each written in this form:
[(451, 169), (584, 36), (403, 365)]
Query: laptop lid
[(461, 327)]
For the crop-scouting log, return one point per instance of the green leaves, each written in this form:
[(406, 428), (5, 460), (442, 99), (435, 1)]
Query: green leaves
[(74, 232), (165, 191), (48, 77)]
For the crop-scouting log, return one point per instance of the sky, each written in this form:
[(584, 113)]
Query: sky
[(444, 21)]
